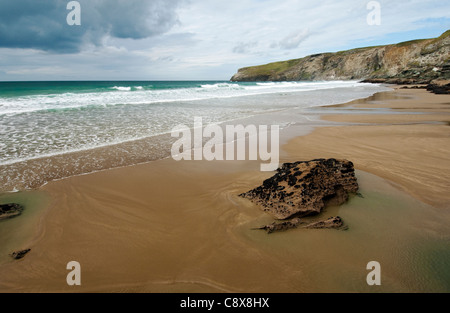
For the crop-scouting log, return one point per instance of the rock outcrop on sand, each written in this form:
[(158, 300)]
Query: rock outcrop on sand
[(276, 227), (440, 87), (330, 223), (17, 255), (412, 62), (436, 86), (305, 188), (10, 210)]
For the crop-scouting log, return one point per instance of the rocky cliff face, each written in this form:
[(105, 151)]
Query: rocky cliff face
[(418, 61)]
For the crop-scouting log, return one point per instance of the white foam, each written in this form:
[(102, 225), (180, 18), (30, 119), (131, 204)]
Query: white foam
[(124, 95), (122, 88)]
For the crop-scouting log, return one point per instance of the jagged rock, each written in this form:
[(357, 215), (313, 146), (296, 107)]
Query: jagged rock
[(274, 227), (305, 188), (10, 210), (332, 222), (16, 255), (398, 81), (414, 87), (439, 86)]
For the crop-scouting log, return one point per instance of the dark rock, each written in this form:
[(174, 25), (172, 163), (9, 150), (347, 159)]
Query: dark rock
[(437, 86), (331, 223), (414, 87), (440, 87), (321, 182), (10, 210), (276, 227), (397, 81), (19, 254)]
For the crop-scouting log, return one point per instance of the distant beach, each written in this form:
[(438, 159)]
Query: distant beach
[(142, 222)]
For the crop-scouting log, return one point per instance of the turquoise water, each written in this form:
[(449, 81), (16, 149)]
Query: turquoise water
[(14, 89)]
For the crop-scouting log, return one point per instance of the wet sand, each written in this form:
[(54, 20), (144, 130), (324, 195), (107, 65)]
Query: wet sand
[(169, 226)]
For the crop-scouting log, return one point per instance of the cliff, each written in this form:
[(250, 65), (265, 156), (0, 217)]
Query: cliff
[(417, 61)]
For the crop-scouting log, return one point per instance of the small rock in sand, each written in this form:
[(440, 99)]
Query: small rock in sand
[(16, 255), (10, 210)]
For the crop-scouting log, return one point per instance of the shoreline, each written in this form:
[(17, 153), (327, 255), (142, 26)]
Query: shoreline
[(35, 172), (179, 226)]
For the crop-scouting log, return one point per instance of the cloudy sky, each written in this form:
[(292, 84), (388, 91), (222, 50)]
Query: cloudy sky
[(194, 39)]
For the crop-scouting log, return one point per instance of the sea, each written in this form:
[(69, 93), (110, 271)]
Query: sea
[(51, 130)]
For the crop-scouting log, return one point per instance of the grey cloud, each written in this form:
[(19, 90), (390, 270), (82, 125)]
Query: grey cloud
[(42, 24), (293, 40), (244, 47)]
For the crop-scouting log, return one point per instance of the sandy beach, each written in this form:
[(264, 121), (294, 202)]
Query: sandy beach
[(168, 226)]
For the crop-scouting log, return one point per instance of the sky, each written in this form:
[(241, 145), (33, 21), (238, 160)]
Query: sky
[(195, 39)]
